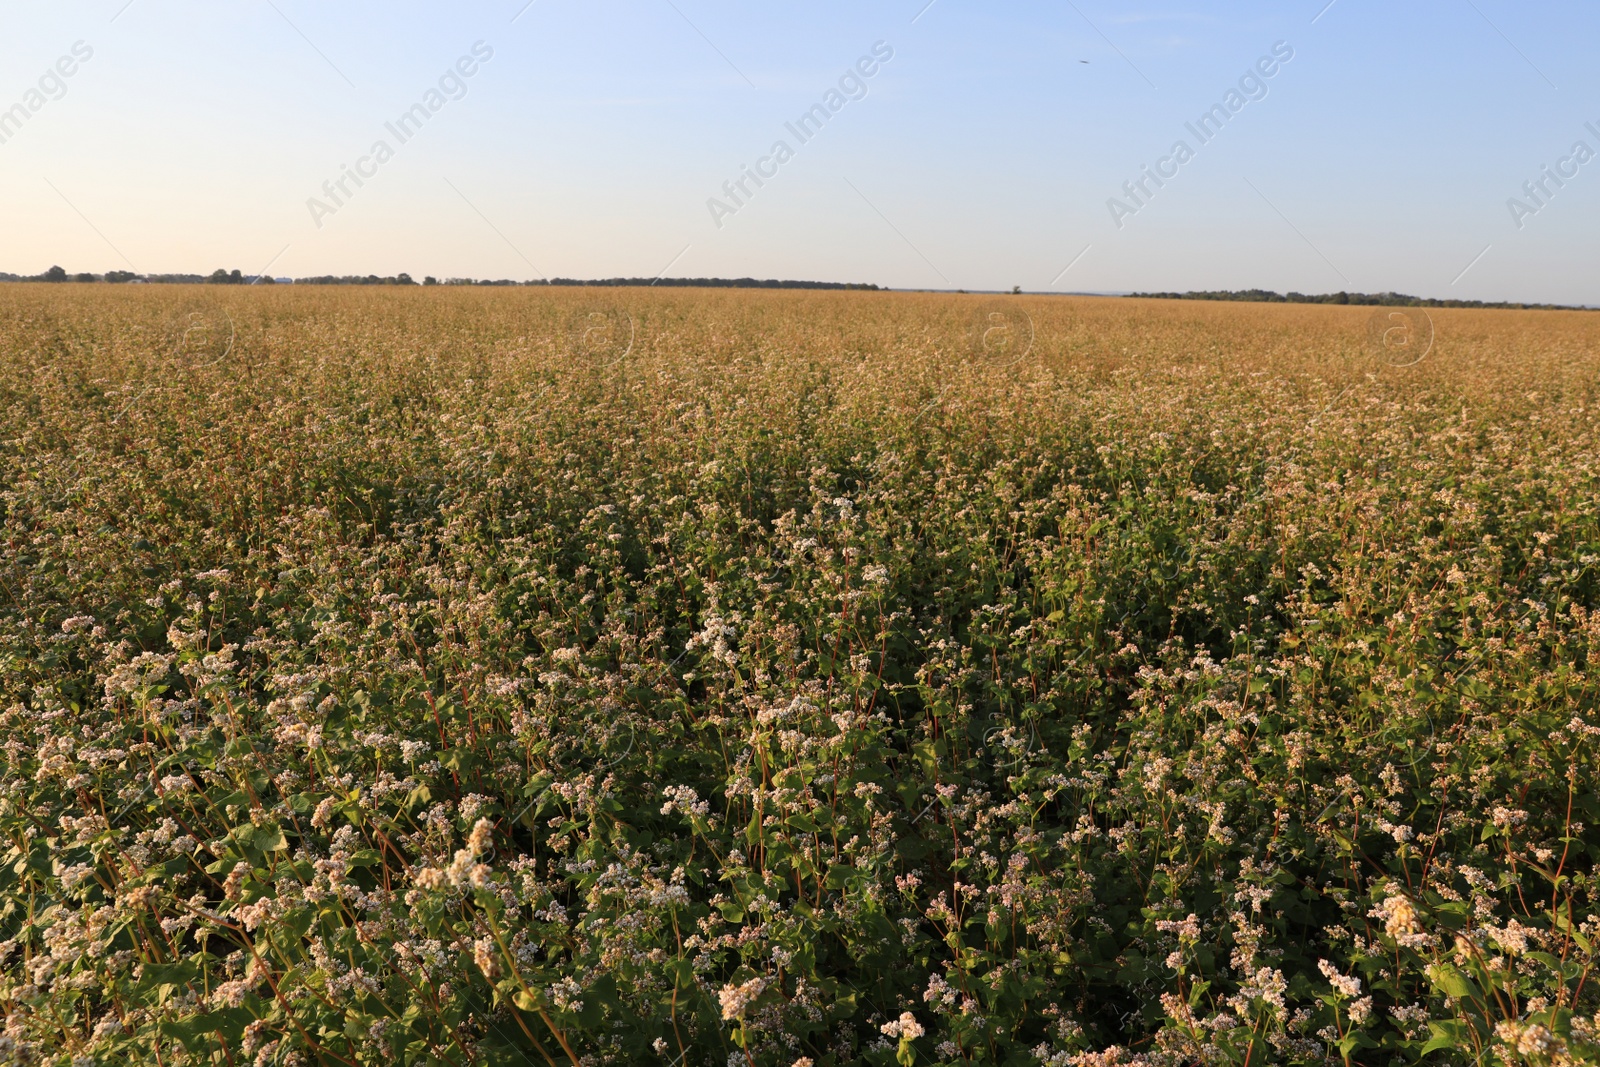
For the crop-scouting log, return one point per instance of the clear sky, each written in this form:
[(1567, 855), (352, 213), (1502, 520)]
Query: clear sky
[(983, 154)]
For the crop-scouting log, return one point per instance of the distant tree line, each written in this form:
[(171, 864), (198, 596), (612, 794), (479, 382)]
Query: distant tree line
[(1260, 296), (354, 279), (234, 277), (1263, 296), (124, 277)]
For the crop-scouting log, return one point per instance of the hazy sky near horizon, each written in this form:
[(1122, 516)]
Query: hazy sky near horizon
[(1384, 155)]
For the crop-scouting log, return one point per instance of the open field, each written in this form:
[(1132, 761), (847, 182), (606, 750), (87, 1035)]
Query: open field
[(404, 676)]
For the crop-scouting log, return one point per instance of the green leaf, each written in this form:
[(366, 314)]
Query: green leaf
[(682, 972), (838, 876), (189, 1032), (299, 920), (1452, 981), (1446, 1035), (269, 838), (159, 873)]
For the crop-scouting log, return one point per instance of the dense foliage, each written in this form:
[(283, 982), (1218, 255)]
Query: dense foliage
[(427, 676)]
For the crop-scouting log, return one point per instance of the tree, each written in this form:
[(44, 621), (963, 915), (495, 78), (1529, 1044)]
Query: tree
[(223, 277), (430, 280), (55, 274), (119, 277)]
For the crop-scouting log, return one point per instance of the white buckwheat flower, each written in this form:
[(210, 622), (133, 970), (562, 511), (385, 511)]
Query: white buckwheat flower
[(736, 999)]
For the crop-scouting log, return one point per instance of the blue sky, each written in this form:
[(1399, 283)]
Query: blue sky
[(983, 155)]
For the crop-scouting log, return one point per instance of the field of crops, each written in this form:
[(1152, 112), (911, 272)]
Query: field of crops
[(463, 676)]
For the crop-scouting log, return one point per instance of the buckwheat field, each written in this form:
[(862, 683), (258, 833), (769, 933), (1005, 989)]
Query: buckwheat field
[(579, 677)]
